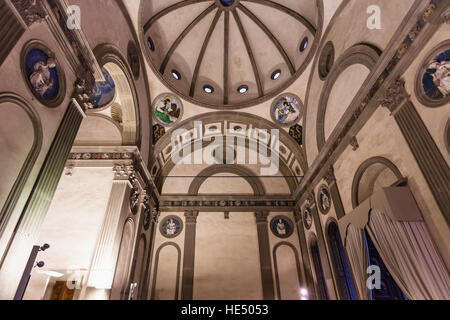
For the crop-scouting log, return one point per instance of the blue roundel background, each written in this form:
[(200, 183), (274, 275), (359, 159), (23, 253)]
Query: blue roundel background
[(430, 88), (104, 91), (34, 56)]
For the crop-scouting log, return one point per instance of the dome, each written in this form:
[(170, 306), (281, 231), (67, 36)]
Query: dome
[(229, 54)]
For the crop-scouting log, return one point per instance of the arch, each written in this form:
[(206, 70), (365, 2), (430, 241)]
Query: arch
[(108, 54), (288, 146), (122, 273), (363, 54), (341, 267), (241, 171), (275, 263), (155, 272), (24, 173), (321, 287), (363, 168)]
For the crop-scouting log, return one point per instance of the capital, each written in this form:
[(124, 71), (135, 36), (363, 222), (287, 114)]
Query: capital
[(395, 96)]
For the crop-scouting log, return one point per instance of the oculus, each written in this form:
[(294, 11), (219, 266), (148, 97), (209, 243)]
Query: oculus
[(304, 44), (176, 75), (171, 226), (227, 3), (150, 44), (282, 227), (326, 60), (208, 89), (307, 218), (276, 74), (43, 75), (167, 109), (324, 199), (242, 89), (104, 91), (286, 110), (436, 79)]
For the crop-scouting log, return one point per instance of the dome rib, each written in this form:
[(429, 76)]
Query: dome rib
[(168, 10), (250, 53), (274, 40), (287, 10), (202, 52), (183, 35)]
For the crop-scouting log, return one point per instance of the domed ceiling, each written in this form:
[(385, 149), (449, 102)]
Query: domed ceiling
[(229, 54)]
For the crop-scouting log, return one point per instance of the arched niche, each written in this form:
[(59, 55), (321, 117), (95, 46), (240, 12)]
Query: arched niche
[(166, 275), (120, 283), (342, 84), (373, 174), (20, 141), (287, 271), (124, 109)]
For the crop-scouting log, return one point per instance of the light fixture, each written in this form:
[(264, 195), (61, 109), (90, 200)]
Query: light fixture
[(304, 44), (276, 74), (304, 294), (243, 89), (176, 75), (208, 89)]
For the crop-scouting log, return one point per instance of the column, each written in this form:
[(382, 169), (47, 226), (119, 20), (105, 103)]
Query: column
[(103, 266), (264, 255), (428, 156), (11, 30), (187, 289), (308, 280), (334, 192)]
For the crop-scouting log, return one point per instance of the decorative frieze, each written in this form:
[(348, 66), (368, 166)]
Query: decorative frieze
[(395, 96), (31, 11)]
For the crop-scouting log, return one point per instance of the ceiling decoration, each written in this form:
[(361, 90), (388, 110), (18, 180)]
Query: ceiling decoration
[(229, 54)]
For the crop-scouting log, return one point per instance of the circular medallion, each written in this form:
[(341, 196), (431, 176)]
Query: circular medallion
[(104, 91), (167, 109), (287, 110), (43, 74), (433, 81), (282, 227), (324, 199), (307, 218), (171, 226)]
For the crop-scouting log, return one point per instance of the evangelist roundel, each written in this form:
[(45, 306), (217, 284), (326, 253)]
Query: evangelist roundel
[(43, 74), (104, 91), (307, 218), (167, 109), (324, 199), (282, 227), (171, 226), (436, 80), (287, 110)]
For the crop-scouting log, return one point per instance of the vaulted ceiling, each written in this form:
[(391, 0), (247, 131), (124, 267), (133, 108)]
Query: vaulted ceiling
[(229, 54)]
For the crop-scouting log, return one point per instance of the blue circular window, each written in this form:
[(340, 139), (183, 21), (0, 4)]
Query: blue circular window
[(304, 44), (150, 44), (176, 75), (227, 3)]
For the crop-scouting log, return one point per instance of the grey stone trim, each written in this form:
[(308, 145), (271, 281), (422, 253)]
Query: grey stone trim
[(447, 136), (362, 169), (264, 255), (11, 30), (358, 54), (335, 194), (275, 263), (45, 186), (17, 188), (155, 272), (427, 154), (308, 279), (187, 289), (247, 174), (321, 242)]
